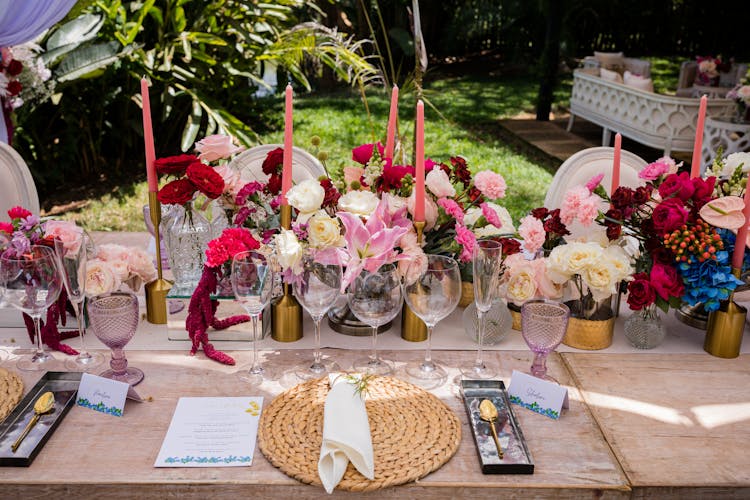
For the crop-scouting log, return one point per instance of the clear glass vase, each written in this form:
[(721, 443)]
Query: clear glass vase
[(188, 235), (643, 328)]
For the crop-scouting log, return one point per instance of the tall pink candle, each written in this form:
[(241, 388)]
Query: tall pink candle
[(616, 164), (148, 139), (419, 159), (739, 246), (392, 117), (695, 164), (286, 173)]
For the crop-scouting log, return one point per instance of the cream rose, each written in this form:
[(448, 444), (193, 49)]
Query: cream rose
[(557, 265), (362, 203), (581, 256), (601, 279), (289, 251), (438, 183), (100, 278), (521, 285), (307, 196), (141, 264), (324, 231)]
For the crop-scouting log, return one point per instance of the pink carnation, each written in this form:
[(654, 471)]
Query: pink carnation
[(594, 182), (491, 185), (491, 216), (532, 232), (588, 211), (6, 227), (453, 209), (572, 202), (654, 170), (466, 240)]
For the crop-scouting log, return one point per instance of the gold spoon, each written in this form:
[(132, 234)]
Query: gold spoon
[(44, 404), (488, 413)]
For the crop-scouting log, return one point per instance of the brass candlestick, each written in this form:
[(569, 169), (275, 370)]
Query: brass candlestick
[(413, 329), (157, 290), (725, 328), (286, 313)]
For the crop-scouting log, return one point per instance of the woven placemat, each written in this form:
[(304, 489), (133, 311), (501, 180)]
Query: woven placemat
[(11, 390), (413, 433)]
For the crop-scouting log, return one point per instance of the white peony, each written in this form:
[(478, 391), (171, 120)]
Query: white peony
[(438, 183), (324, 231), (362, 203), (100, 278), (289, 251), (307, 196)]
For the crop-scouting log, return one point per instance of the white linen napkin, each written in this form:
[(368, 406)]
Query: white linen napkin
[(346, 434)]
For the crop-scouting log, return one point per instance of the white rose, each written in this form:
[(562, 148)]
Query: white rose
[(581, 256), (437, 181), (323, 231), (307, 196), (521, 285), (733, 161), (100, 278), (618, 259), (557, 265), (601, 279), (362, 203), (289, 251)]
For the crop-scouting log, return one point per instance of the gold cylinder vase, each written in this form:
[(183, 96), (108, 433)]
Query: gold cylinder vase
[(588, 334), (515, 314), (725, 330), (467, 294)]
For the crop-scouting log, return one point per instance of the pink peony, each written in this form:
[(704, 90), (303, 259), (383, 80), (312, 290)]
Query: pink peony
[(216, 147), (67, 232), (452, 209), (532, 232), (466, 240), (491, 185), (594, 182), (438, 183), (491, 216)]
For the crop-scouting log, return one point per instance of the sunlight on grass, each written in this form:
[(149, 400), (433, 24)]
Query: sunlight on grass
[(113, 211)]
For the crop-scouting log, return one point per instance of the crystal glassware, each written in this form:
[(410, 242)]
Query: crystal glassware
[(252, 282), (317, 289), (73, 256), (375, 298), (543, 325), (114, 320), (31, 283), (432, 296), (487, 259)]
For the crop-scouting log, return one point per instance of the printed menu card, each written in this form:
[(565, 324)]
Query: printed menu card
[(211, 432)]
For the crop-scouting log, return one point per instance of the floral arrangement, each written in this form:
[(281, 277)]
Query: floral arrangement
[(115, 266), (741, 95), (708, 70), (23, 75)]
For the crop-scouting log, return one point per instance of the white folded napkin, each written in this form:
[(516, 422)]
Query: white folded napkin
[(346, 434)]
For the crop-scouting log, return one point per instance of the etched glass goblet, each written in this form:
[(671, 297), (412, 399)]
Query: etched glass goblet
[(543, 325)]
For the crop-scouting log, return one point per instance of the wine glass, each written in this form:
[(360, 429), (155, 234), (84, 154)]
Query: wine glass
[(487, 259), (543, 325), (73, 256), (432, 296), (252, 283), (114, 320), (317, 289), (375, 298), (31, 283)]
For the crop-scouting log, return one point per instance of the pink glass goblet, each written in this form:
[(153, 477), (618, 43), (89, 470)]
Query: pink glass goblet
[(114, 320), (543, 325)]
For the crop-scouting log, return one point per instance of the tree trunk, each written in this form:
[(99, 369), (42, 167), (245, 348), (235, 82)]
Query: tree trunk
[(550, 58)]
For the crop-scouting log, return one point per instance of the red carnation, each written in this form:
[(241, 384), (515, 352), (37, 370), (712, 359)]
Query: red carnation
[(511, 246), (206, 179), (622, 197), (540, 213), (177, 192), (14, 67), (642, 194), (14, 88), (332, 194), (18, 213), (175, 165), (273, 161), (274, 184), (460, 170), (6, 227)]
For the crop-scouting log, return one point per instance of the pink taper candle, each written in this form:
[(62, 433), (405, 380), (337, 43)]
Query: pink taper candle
[(419, 170), (695, 164), (286, 173), (616, 164), (739, 246), (392, 117), (148, 139)]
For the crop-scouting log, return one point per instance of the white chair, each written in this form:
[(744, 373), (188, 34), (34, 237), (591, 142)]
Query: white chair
[(16, 184), (585, 164), (249, 162)]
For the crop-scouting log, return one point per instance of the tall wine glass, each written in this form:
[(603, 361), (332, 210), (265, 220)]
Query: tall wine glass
[(487, 259), (375, 298), (317, 289), (31, 283), (543, 325), (432, 297), (252, 283), (73, 256)]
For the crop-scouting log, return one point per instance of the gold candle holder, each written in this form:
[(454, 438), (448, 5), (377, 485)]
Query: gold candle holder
[(157, 290), (286, 313), (725, 328), (413, 329)]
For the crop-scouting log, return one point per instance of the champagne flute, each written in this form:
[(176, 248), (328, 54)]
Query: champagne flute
[(432, 297), (487, 259), (375, 298), (317, 289), (252, 283), (31, 283)]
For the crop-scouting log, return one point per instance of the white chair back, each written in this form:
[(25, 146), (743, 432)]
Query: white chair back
[(585, 164), (249, 163), (16, 184)]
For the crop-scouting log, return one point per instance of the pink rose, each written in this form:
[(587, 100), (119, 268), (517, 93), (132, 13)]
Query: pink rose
[(67, 232), (545, 286), (666, 281), (141, 264), (100, 278), (677, 185), (430, 210), (452, 209), (491, 185), (466, 240), (352, 174), (438, 183), (216, 147), (232, 180), (532, 232), (669, 215)]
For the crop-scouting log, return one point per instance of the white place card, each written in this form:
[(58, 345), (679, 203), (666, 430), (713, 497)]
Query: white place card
[(541, 396), (102, 394), (211, 432)]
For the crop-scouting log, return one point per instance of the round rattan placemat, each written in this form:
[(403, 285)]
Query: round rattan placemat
[(11, 390), (413, 433)]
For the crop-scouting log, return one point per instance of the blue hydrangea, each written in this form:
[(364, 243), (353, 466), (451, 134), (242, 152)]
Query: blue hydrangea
[(708, 282)]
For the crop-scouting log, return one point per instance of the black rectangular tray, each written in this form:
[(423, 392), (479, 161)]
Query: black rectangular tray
[(64, 386), (516, 457)]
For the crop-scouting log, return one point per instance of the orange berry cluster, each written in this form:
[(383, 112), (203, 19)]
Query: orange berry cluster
[(700, 242)]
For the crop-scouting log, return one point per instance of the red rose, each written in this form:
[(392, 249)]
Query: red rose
[(177, 192), (704, 190), (661, 255), (274, 160), (622, 197), (362, 154), (640, 292), (175, 165), (666, 281), (14, 67), (18, 213), (393, 175), (14, 88), (206, 179), (677, 185), (332, 195), (274, 184), (6, 227), (669, 215)]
